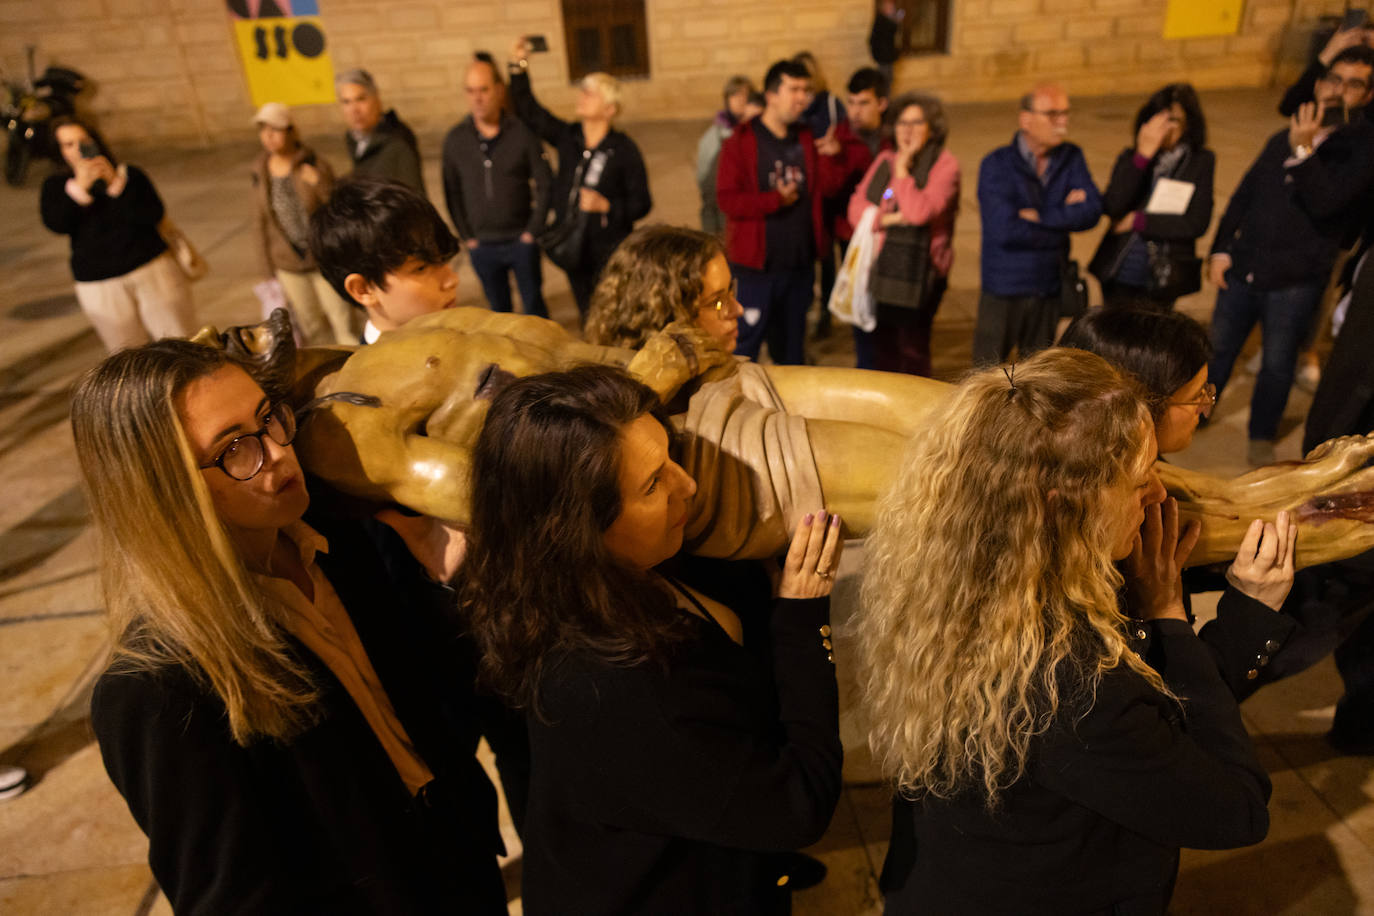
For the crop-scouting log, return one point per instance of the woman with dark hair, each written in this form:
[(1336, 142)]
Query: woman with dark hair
[(671, 765), (127, 282), (289, 183), (276, 710), (916, 189), (1166, 352), (1159, 203)]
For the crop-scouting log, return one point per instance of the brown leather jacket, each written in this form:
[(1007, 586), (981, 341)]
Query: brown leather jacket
[(275, 251)]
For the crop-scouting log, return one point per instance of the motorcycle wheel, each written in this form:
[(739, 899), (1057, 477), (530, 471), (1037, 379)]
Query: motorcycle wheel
[(17, 162)]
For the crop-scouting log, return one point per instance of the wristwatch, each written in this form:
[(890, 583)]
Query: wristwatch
[(518, 66), (1302, 151)]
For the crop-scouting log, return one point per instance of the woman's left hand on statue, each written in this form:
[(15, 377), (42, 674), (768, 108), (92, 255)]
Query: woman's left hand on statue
[(1263, 568), (813, 558), (1154, 569)]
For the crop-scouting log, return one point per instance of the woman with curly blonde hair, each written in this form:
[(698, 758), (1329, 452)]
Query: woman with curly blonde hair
[(1041, 764), (658, 275)]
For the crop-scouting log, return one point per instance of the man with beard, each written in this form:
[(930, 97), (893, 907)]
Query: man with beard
[(1304, 198), (1033, 193)]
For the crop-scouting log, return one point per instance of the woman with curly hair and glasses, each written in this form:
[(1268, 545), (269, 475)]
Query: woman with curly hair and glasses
[(275, 712), (1041, 765)]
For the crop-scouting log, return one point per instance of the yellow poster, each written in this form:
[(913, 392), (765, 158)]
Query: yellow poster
[(1197, 18), (284, 52)]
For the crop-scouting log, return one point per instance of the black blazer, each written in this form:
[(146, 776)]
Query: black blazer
[(321, 823), (624, 181), (1129, 190), (1096, 823), (670, 790), (1284, 225)]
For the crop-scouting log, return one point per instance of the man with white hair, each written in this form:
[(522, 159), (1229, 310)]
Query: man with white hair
[(379, 143), (1032, 194)]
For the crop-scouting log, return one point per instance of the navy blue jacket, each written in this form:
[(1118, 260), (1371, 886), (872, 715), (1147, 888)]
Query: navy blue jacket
[(1021, 258)]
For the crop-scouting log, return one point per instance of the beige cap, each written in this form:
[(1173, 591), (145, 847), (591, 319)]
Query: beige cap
[(274, 114)]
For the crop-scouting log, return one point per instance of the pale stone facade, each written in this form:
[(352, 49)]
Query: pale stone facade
[(169, 68)]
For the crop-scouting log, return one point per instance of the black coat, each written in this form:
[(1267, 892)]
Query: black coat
[(671, 790), (1129, 191), (1344, 402), (624, 181), (1284, 226), (1096, 823), (112, 235), (321, 823)]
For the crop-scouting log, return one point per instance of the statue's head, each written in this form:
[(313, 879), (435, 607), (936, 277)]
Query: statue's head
[(267, 350)]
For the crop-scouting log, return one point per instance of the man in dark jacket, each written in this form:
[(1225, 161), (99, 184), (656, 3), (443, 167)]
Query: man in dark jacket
[(496, 185), (378, 143), (771, 185), (1032, 194), (1278, 240)]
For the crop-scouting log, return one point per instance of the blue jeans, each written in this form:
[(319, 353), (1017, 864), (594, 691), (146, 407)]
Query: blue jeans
[(493, 262), (1284, 316), (777, 301)]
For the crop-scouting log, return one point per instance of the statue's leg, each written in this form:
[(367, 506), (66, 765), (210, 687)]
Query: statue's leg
[(856, 463), (888, 400)]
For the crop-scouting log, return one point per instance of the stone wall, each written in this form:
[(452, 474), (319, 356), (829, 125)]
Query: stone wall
[(168, 69)]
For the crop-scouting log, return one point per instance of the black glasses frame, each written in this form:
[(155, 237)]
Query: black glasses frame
[(284, 416)]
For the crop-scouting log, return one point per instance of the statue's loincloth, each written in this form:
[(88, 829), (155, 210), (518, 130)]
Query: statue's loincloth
[(752, 461)]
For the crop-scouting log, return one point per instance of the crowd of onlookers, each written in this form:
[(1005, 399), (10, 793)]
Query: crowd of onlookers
[(295, 696)]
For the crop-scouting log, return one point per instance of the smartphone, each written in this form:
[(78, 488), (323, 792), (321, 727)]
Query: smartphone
[(1354, 19), (1335, 116), (538, 43), (89, 150)]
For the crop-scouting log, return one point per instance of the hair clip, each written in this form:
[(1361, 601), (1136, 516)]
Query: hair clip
[(1010, 373)]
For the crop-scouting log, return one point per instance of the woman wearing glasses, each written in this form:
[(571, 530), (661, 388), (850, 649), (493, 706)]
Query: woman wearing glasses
[(273, 712), (1167, 353), (916, 190)]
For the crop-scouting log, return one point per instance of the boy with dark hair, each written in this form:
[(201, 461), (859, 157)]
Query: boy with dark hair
[(385, 249), (771, 185)]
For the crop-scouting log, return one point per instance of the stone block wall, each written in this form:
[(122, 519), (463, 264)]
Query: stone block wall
[(168, 69)]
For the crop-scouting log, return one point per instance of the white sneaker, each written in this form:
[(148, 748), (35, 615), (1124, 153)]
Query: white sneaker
[(13, 781)]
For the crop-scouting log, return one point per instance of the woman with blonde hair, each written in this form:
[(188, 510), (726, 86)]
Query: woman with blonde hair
[(601, 189), (1041, 765), (278, 727)]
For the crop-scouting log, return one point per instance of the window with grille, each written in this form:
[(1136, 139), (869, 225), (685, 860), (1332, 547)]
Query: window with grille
[(606, 35), (924, 28)]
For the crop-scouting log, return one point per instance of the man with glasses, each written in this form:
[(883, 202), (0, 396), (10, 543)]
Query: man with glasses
[(1032, 194), (1306, 196)]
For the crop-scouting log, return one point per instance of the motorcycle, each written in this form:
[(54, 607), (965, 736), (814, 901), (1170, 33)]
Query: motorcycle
[(29, 110)]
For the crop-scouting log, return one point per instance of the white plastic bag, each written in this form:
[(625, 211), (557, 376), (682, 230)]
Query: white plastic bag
[(850, 300)]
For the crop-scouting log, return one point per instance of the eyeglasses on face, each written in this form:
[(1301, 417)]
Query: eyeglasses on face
[(1054, 114), (911, 122), (1206, 400), (721, 302), (245, 455), (1356, 85)]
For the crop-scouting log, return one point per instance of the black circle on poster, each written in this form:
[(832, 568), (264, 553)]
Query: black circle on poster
[(308, 39)]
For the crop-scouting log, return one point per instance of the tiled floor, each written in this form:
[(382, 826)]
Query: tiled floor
[(69, 846)]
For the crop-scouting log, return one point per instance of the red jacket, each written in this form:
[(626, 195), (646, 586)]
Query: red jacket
[(856, 159), (746, 207)]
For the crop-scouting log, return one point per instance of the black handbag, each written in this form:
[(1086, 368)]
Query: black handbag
[(565, 241), (1073, 289), (1173, 273)]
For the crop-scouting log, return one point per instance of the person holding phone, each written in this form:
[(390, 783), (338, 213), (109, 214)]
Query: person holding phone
[(1274, 249), (127, 282), (601, 181), (1355, 30)]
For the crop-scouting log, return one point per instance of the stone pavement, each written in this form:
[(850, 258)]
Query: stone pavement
[(69, 845)]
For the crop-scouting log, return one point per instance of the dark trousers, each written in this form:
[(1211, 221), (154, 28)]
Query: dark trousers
[(1026, 322), (494, 262), (775, 305), (1284, 316), (583, 283), (901, 341)]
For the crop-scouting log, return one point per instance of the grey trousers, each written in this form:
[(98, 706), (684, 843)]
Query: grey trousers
[(1025, 322)]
